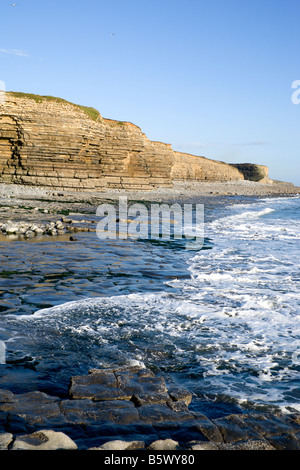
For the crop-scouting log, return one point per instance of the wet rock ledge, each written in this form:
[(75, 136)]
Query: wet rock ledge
[(128, 409), (15, 230)]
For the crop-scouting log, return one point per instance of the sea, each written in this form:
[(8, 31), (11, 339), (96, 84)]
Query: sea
[(222, 321)]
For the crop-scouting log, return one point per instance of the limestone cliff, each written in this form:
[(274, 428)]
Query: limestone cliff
[(253, 172), (50, 142)]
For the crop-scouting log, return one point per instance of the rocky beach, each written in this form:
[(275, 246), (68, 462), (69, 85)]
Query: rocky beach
[(132, 401), (149, 232), (38, 203), (33, 211), (125, 408)]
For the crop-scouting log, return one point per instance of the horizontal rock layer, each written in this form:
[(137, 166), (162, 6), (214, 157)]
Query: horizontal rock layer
[(254, 172), (56, 144)]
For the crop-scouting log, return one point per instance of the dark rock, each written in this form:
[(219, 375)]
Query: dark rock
[(143, 382), (270, 424), (135, 402), (101, 386), (179, 394), (116, 370), (295, 417), (33, 407), (160, 413), (208, 428), (86, 411), (286, 441), (177, 405), (6, 396), (17, 424), (234, 429), (144, 399)]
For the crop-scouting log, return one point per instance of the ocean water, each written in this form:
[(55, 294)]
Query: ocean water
[(223, 321)]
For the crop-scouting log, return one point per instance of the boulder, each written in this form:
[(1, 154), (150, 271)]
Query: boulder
[(120, 445), (44, 440), (5, 440), (164, 444)]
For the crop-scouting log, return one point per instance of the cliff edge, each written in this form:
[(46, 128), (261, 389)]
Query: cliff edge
[(47, 141)]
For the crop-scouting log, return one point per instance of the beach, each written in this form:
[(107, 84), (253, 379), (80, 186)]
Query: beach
[(35, 203), (180, 191), (219, 325)]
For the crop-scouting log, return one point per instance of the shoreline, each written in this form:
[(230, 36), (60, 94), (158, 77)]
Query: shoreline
[(37, 203), (33, 212), (39, 412), (179, 190), (136, 410)]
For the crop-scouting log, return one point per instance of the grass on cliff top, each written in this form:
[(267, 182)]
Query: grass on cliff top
[(92, 113)]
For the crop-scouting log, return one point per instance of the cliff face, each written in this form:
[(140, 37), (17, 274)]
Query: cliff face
[(54, 143), (186, 167), (254, 172)]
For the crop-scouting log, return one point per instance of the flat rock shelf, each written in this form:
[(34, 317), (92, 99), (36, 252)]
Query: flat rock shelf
[(130, 409)]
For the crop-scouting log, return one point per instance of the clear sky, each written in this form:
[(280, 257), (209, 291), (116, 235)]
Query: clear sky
[(212, 78)]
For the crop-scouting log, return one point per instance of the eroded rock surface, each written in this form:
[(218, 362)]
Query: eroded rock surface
[(128, 409), (53, 143)]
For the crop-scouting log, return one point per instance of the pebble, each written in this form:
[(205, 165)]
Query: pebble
[(166, 444), (120, 445), (29, 230), (5, 440)]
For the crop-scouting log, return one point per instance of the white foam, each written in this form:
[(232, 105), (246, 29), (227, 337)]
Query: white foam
[(236, 317)]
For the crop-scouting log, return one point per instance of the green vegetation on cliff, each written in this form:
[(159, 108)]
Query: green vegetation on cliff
[(92, 113)]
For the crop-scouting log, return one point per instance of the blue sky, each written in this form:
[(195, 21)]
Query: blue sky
[(211, 78)]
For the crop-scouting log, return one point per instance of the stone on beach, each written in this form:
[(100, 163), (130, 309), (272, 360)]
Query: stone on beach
[(29, 230), (5, 440), (44, 440), (120, 445), (164, 444)]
